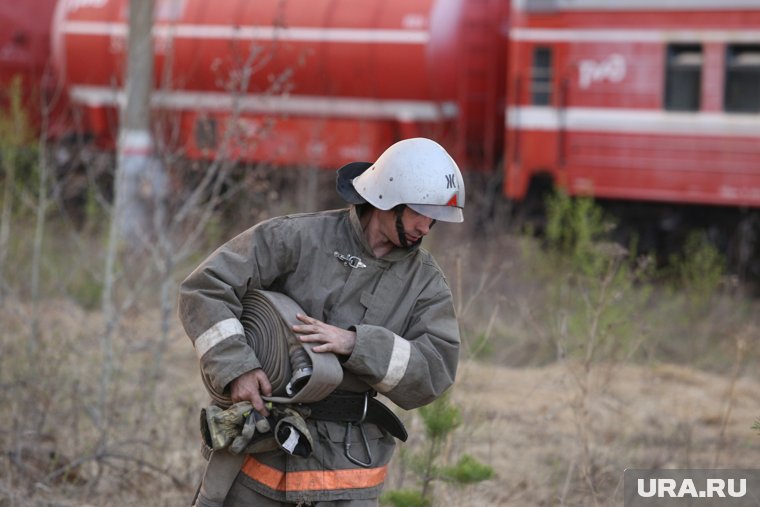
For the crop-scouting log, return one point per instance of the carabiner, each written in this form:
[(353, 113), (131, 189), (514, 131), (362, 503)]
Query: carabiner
[(347, 440), (349, 260)]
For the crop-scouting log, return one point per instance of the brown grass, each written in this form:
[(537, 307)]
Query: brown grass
[(556, 431), (522, 422)]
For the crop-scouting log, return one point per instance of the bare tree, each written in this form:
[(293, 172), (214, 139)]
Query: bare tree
[(192, 208), (135, 161)]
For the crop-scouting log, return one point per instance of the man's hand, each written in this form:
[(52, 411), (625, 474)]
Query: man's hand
[(331, 338), (250, 386)]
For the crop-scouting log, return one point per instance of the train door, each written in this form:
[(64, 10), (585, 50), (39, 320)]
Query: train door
[(544, 118), (539, 100)]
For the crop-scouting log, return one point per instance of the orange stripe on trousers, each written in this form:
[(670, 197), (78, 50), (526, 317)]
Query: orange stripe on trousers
[(315, 480)]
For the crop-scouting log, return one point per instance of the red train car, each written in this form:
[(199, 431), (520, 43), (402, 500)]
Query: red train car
[(651, 100), (305, 81), (25, 56), (635, 99)]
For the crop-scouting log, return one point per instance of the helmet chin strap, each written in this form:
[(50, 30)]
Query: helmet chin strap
[(399, 210)]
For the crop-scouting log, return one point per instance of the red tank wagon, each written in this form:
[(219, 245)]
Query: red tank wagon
[(25, 55), (307, 81)]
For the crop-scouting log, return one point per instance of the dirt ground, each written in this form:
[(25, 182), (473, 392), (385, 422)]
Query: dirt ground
[(551, 445), (556, 434)]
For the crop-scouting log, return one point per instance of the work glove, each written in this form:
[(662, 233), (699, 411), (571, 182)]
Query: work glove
[(211, 432), (292, 434), (254, 422), (221, 428)]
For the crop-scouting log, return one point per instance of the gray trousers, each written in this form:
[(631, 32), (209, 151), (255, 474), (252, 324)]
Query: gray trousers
[(240, 496)]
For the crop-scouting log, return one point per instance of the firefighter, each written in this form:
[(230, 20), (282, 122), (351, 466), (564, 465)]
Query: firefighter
[(370, 294)]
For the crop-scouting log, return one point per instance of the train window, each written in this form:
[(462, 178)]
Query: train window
[(541, 77), (683, 77), (742, 93)]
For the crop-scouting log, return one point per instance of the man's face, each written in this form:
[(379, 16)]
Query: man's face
[(416, 226)]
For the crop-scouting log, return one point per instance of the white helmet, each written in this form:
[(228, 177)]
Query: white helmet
[(416, 172)]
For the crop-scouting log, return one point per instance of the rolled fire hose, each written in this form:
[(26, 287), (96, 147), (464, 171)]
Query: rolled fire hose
[(267, 320)]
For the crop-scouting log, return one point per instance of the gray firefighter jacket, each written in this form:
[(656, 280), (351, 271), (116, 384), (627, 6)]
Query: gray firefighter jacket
[(400, 305)]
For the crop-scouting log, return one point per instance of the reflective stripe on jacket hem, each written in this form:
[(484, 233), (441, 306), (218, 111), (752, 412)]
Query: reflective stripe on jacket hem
[(313, 480)]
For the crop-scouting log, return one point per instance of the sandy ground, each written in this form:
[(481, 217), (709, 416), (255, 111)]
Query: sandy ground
[(552, 445), (556, 435)]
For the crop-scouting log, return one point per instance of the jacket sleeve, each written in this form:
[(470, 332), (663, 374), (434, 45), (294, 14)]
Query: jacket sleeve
[(210, 300), (415, 369)]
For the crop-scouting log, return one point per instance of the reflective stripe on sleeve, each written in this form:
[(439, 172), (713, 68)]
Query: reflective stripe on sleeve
[(396, 366), (317, 480), (216, 333)]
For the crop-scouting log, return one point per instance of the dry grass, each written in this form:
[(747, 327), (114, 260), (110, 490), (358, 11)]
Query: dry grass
[(55, 451), (557, 431), (523, 422)]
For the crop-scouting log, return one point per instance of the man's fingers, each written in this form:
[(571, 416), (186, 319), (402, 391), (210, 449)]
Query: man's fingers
[(309, 338), (258, 404), (306, 318), (264, 386), (250, 386), (307, 328)]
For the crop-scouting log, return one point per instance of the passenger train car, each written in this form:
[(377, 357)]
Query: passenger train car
[(635, 99)]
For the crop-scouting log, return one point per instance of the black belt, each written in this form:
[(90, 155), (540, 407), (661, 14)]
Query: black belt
[(357, 408)]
